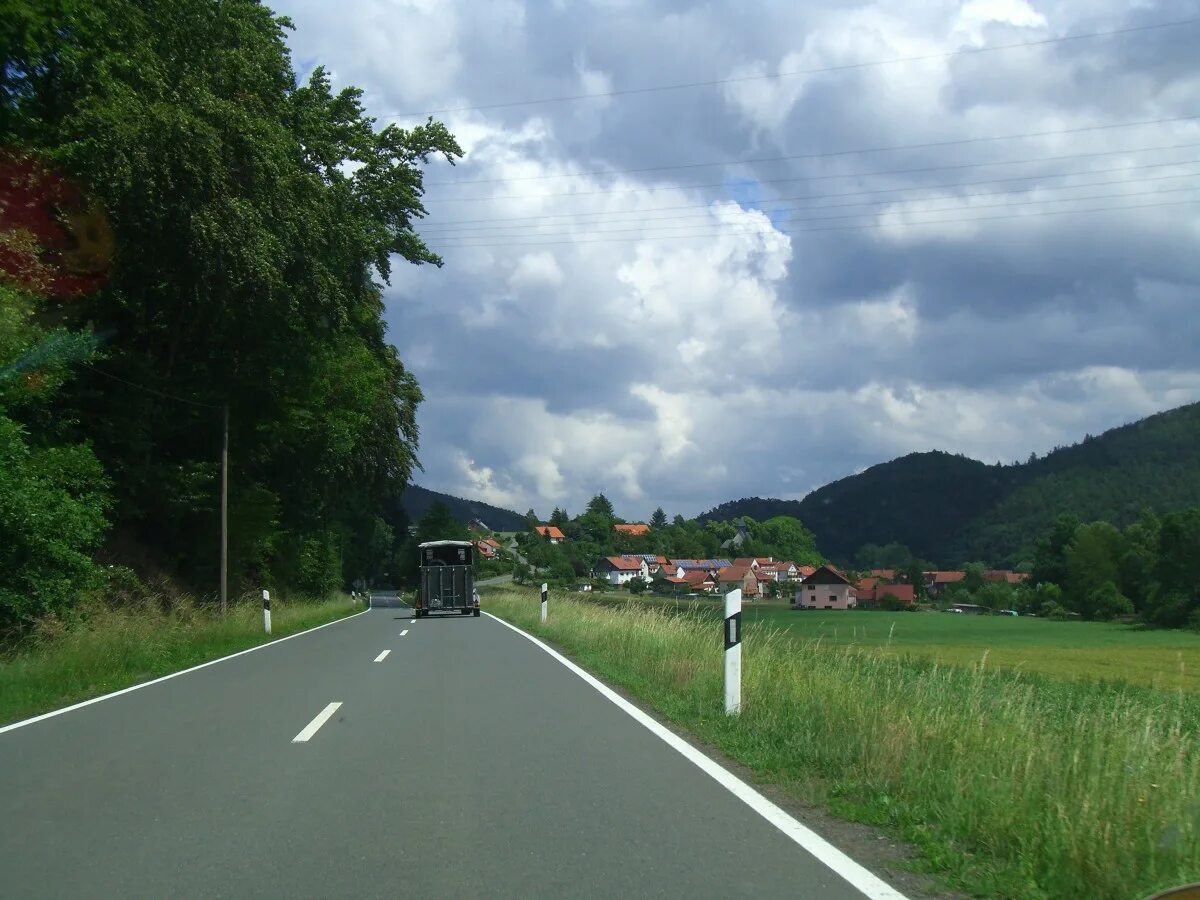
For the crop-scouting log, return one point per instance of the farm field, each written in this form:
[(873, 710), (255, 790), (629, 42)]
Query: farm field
[(1169, 660)]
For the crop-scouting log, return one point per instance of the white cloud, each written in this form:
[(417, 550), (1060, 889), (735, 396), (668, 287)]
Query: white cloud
[(674, 344)]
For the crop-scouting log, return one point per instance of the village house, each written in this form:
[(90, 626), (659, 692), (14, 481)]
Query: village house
[(620, 570), (486, 550), (1005, 575), (700, 581), (869, 593), (936, 582), (733, 577), (636, 529), (552, 533), (825, 588)]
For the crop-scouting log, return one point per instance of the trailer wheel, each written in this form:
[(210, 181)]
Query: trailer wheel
[(477, 613)]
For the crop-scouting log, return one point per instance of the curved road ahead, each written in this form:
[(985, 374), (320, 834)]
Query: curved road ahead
[(462, 762)]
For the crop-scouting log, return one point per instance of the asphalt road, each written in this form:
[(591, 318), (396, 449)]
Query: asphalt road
[(466, 762)]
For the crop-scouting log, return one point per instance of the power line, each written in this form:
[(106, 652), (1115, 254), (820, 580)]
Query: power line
[(639, 215), (875, 203), (951, 208), (861, 226), (829, 153), (872, 174), (148, 390), (965, 51)]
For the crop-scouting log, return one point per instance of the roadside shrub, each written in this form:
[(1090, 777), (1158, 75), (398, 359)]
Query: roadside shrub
[(52, 503)]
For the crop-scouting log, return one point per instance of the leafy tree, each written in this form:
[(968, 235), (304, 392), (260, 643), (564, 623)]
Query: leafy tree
[(637, 586), (1105, 602), (658, 519), (558, 517), (256, 220), (531, 520), (1136, 567), (973, 581), (1176, 596), (678, 521), (1091, 562)]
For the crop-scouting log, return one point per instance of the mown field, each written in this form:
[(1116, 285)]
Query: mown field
[(1160, 658), (1009, 783), (107, 649)]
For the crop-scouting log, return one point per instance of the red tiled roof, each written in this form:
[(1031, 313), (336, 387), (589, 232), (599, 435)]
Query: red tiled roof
[(902, 592), (696, 576), (867, 584), (889, 574), (626, 563), (632, 528), (733, 573), (550, 531), (948, 577), (806, 570), (747, 561)]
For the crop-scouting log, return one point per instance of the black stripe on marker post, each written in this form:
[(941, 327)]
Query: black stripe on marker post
[(733, 630)]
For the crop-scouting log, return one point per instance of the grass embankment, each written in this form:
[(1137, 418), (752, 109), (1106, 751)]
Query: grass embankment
[(1010, 784), (107, 649)]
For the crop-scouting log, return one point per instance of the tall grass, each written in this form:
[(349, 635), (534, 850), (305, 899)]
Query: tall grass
[(1011, 785), (105, 648)]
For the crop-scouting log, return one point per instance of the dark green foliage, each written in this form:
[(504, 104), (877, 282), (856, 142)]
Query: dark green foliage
[(255, 220), (950, 509), (658, 519), (417, 500), (51, 515)]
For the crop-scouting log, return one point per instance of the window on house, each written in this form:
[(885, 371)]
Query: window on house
[(832, 598)]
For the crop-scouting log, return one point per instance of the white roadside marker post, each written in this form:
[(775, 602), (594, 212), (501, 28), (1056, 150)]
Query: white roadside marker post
[(267, 611), (545, 599), (733, 652)]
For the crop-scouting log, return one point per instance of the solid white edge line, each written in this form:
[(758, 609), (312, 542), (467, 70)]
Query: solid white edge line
[(315, 725), (382, 656), (161, 678), (858, 876)]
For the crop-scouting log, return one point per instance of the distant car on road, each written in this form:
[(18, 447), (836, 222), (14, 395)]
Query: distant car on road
[(447, 580)]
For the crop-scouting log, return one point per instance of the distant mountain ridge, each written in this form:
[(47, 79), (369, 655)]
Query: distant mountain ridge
[(416, 501), (950, 509)]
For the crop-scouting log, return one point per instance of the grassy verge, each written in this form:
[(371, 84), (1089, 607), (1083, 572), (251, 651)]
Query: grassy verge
[(1160, 658), (108, 649), (1009, 784)]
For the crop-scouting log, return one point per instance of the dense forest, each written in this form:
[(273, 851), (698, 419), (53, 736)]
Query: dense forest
[(417, 501), (950, 509), (188, 232)]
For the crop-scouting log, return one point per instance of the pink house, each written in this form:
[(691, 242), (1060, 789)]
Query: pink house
[(826, 588)]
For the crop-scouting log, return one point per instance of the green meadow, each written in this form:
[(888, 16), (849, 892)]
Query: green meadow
[(1074, 650)]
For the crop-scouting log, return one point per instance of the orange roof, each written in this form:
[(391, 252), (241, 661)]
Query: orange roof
[(632, 528), (806, 570), (948, 577), (626, 563), (550, 531), (733, 573), (889, 574)]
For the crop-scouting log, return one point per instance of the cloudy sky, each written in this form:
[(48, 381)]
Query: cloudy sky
[(859, 238)]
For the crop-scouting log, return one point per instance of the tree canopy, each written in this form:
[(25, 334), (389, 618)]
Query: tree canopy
[(240, 226)]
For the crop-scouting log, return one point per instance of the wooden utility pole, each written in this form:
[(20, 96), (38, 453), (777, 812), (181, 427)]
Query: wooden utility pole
[(225, 515)]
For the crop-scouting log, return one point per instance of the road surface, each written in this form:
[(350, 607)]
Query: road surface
[(463, 761)]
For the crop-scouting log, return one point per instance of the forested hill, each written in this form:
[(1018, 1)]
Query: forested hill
[(417, 500), (948, 508)]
